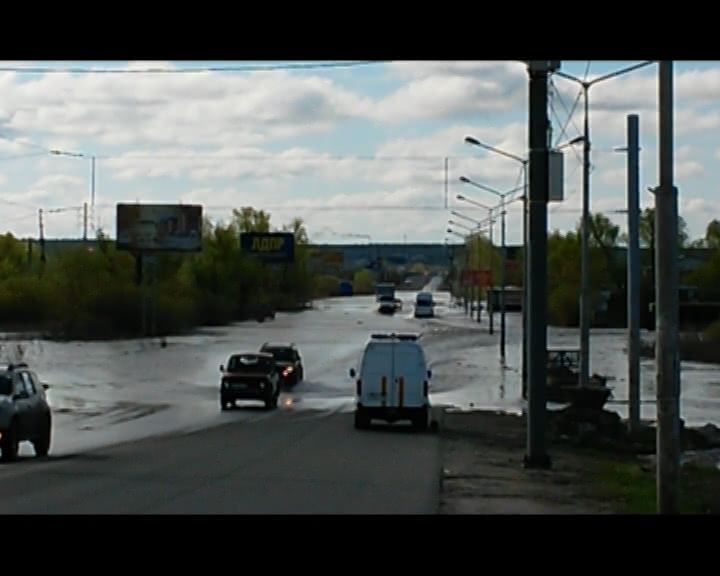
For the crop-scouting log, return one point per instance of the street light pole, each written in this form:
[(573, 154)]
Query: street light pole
[(503, 212), (585, 226), (491, 221), (468, 263), (584, 266), (92, 177), (524, 162), (473, 235)]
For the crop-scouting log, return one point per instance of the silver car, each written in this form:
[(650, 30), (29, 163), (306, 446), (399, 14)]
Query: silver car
[(25, 414)]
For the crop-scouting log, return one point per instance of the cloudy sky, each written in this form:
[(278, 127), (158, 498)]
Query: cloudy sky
[(357, 152)]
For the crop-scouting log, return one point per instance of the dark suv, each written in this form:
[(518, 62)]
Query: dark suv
[(24, 411), (288, 360), (250, 376)]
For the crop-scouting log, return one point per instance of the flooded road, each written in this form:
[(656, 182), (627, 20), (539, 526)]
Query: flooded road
[(108, 392)]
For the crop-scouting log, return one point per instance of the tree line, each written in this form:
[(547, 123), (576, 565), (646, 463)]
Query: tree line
[(93, 292), (607, 273)]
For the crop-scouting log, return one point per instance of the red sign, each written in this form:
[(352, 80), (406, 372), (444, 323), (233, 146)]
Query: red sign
[(475, 277)]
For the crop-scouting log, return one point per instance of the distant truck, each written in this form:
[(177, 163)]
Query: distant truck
[(384, 291)]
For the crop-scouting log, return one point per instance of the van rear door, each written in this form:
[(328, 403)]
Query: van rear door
[(376, 374), (410, 373)]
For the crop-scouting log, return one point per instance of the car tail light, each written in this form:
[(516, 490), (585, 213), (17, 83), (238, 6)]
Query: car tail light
[(425, 388), (358, 386)]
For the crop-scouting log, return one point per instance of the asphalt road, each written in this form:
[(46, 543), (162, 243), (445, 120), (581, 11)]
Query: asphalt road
[(290, 462)]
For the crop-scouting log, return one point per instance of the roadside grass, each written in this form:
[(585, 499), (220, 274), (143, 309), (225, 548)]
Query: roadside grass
[(629, 486)]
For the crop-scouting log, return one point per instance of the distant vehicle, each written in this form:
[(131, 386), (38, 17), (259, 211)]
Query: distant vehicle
[(384, 290), (387, 305), (345, 288), (264, 312), (25, 414), (288, 361), (392, 381), (424, 305), (250, 376)]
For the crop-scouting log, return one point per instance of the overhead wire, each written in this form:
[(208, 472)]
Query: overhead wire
[(193, 70)]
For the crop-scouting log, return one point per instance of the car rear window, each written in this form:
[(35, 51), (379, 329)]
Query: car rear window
[(5, 386), (281, 354), (249, 363)]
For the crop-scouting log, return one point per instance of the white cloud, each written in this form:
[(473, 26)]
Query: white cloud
[(191, 110), (452, 90), (277, 139)]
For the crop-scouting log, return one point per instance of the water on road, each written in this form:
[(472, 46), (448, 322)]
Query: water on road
[(108, 392)]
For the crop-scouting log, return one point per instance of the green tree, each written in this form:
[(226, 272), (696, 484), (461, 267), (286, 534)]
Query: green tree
[(363, 282), (91, 291)]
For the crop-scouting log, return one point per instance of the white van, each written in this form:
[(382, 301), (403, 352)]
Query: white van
[(424, 305), (392, 381)]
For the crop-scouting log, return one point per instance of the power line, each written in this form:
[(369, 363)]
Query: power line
[(267, 157), (204, 69)]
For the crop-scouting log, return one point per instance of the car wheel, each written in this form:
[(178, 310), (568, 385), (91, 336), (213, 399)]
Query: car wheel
[(42, 444), (9, 444)]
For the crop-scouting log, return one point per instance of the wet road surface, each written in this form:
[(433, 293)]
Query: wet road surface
[(107, 392), (290, 463)]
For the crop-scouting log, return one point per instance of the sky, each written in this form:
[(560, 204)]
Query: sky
[(359, 153)]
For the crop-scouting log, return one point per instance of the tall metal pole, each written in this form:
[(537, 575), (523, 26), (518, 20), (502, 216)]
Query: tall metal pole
[(92, 193), (143, 294), (526, 276), (633, 274), (85, 220), (667, 361), (584, 265), (477, 289), (502, 280), (536, 455), (491, 293)]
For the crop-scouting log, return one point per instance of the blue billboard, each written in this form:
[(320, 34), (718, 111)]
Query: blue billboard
[(269, 247)]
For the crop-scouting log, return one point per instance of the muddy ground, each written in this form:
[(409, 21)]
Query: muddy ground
[(483, 473)]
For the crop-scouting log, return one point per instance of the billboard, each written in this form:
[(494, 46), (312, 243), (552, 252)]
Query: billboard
[(159, 227), (269, 247)]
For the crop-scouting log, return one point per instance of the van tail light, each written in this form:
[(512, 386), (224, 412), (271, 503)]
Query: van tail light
[(425, 388), (358, 386)]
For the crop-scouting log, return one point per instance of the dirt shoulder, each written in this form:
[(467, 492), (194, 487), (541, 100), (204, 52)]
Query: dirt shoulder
[(483, 473)]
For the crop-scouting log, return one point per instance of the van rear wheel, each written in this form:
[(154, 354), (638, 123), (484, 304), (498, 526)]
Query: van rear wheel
[(420, 420), (362, 421)]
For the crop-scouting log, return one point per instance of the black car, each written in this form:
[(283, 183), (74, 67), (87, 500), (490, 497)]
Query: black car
[(287, 358), (25, 414), (387, 305), (264, 312), (249, 376)]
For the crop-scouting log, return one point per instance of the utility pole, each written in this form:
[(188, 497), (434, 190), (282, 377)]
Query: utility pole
[(491, 293), (526, 276), (536, 455), (92, 193), (584, 257), (41, 226), (584, 266), (667, 360), (503, 263), (633, 275), (85, 221)]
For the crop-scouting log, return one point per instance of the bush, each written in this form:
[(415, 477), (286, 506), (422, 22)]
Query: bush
[(363, 282), (92, 291)]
